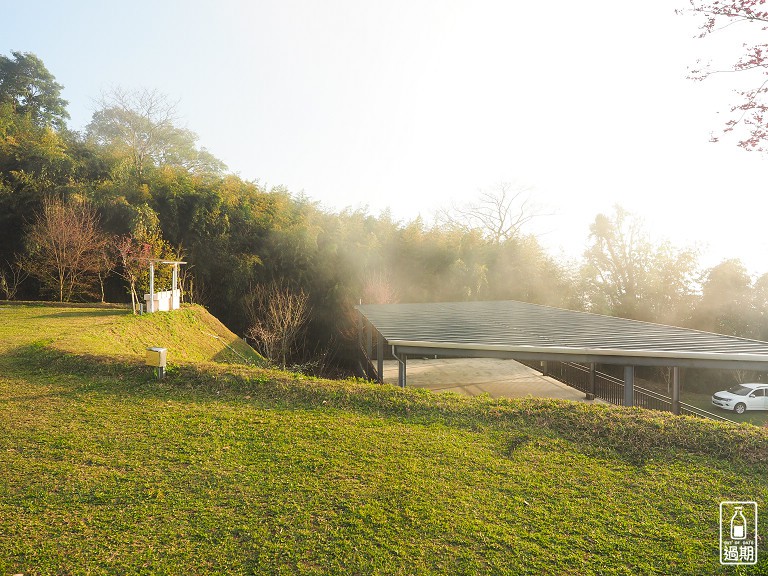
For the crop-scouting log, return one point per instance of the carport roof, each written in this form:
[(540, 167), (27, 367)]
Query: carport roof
[(520, 330)]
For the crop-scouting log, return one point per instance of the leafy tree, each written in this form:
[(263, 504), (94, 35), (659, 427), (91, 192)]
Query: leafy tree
[(626, 275), (31, 90), (141, 128), (726, 300), (134, 250), (746, 21)]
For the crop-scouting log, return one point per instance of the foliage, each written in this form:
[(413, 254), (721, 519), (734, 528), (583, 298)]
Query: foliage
[(31, 89), (156, 195), (141, 128), (626, 275), (726, 300)]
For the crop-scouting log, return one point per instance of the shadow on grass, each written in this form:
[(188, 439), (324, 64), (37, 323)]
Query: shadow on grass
[(635, 435)]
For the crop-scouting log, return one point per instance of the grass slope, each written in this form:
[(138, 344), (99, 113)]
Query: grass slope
[(225, 468)]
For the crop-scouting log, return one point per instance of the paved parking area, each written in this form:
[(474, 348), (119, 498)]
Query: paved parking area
[(475, 376)]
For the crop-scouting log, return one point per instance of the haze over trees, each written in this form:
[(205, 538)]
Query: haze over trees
[(142, 187)]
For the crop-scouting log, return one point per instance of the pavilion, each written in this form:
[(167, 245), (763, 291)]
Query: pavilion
[(531, 332)]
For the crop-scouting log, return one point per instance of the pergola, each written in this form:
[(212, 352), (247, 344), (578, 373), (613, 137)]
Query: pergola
[(168, 299), (521, 331)]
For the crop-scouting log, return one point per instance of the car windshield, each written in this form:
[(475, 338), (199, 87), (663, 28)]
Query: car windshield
[(740, 390)]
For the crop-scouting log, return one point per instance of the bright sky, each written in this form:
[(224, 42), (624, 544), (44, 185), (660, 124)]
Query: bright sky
[(415, 104)]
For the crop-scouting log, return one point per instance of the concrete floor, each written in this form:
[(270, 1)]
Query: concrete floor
[(474, 376)]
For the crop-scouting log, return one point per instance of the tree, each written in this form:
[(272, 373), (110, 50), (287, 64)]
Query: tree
[(11, 277), (499, 215), (140, 127), (626, 275), (28, 86), (726, 300), (747, 20), (66, 248), (134, 250), (278, 315)]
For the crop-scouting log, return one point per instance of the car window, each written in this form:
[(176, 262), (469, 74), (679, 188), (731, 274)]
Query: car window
[(760, 392), (740, 390)]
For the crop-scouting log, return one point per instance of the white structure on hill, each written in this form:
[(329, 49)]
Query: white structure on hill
[(166, 300)]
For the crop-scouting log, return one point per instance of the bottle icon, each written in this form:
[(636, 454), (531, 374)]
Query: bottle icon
[(738, 525)]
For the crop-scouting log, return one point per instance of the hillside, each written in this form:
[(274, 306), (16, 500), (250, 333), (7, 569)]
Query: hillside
[(191, 334), (232, 468)]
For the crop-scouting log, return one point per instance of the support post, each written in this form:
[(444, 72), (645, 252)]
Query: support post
[(629, 385), (591, 385), (360, 336), (544, 368), (380, 357), (402, 370), (151, 303), (175, 294), (676, 390), (369, 340)]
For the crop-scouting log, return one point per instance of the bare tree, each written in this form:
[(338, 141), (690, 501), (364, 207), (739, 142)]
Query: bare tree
[(133, 256), (277, 315), (66, 248), (12, 277), (499, 214), (378, 288)]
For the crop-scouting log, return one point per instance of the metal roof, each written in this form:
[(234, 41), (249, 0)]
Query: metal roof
[(520, 330)]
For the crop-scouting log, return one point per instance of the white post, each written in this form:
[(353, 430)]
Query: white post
[(151, 287), (175, 296)]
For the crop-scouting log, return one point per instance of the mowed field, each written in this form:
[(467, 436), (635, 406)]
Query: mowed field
[(226, 466)]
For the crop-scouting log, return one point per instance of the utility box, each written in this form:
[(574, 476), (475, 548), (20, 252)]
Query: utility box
[(156, 357)]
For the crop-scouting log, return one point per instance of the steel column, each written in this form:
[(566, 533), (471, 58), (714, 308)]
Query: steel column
[(676, 390), (380, 357), (369, 340), (629, 385), (151, 287), (402, 370), (591, 388)]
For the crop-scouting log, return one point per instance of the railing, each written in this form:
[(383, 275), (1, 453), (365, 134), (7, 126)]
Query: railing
[(611, 389), (689, 410)]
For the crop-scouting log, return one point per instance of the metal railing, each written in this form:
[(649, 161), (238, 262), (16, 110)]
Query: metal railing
[(690, 410), (611, 389)]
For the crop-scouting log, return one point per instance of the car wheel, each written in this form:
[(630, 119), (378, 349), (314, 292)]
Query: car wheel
[(740, 408)]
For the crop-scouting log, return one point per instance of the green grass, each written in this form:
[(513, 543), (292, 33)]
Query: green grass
[(226, 468)]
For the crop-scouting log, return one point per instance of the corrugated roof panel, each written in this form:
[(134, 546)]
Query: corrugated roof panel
[(511, 325)]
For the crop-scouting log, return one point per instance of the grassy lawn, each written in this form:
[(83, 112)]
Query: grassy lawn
[(226, 468)]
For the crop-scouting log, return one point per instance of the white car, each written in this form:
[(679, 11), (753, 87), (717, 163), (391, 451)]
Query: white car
[(742, 398)]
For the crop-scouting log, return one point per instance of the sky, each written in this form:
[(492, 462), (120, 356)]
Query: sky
[(419, 105)]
